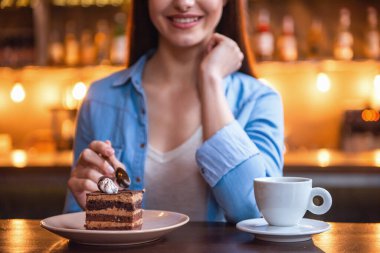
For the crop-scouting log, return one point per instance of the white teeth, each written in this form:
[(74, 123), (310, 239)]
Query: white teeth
[(184, 20)]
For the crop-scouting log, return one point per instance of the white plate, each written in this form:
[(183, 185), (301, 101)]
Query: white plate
[(303, 232), (155, 224)]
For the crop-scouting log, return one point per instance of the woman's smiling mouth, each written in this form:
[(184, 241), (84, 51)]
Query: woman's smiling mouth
[(184, 21)]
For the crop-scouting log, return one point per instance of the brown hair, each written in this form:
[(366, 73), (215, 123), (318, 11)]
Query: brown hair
[(142, 35)]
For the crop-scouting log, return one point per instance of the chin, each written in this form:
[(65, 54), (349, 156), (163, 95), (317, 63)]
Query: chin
[(186, 42)]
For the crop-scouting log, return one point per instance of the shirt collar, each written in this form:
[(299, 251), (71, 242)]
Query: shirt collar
[(134, 72)]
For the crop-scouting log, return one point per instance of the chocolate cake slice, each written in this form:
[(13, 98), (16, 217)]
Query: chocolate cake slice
[(120, 211)]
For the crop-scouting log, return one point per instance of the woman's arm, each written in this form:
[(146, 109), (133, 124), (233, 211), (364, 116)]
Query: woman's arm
[(233, 155), (88, 164), (223, 57), (82, 140)]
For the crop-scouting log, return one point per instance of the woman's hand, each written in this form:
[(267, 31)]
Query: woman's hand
[(90, 167), (222, 57)]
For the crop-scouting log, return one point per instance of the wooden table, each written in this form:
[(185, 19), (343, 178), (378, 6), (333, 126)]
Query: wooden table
[(17, 235)]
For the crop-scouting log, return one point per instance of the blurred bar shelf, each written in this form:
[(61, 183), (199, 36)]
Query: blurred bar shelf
[(19, 159), (325, 160), (335, 169)]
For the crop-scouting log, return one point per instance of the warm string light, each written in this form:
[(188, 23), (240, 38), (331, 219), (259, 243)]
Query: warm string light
[(72, 2), (377, 157), (18, 93), (74, 95), (116, 2), (14, 3), (101, 3), (323, 82), (79, 91), (6, 3), (370, 115), (86, 3), (19, 158), (323, 157), (22, 3), (376, 92)]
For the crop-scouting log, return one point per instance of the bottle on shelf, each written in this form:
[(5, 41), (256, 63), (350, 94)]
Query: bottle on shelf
[(87, 47), (71, 45), (119, 41), (287, 42), (2, 51), (102, 42), (263, 37), (316, 40), (343, 48), (17, 49), (56, 49), (372, 36), (6, 52), (31, 54)]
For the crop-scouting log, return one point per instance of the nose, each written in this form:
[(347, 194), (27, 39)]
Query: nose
[(184, 5)]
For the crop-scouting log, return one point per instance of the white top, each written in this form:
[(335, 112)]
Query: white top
[(173, 181)]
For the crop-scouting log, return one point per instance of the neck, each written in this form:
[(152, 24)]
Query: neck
[(175, 65)]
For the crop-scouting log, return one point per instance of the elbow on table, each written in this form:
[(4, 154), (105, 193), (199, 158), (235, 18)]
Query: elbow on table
[(244, 213)]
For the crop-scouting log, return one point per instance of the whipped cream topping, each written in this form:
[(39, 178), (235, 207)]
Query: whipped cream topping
[(107, 185)]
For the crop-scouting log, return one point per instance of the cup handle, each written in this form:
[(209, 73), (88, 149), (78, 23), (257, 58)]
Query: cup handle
[(327, 201)]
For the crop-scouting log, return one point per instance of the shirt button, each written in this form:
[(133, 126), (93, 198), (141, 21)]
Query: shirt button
[(203, 170), (138, 179), (142, 145), (143, 111)]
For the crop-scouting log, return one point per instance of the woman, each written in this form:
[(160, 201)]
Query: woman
[(190, 129)]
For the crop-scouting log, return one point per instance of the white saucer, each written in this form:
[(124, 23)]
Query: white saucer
[(155, 225), (303, 232)]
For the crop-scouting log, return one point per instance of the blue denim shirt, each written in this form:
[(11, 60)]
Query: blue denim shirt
[(251, 146)]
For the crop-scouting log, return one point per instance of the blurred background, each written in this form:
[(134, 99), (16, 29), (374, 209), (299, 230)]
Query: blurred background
[(322, 56)]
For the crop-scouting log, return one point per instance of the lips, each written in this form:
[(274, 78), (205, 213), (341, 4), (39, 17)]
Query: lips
[(184, 21)]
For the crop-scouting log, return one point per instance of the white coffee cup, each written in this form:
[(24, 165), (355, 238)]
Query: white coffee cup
[(283, 201)]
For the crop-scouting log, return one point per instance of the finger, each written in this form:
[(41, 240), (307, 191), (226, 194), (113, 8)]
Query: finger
[(107, 153), (222, 38), (215, 39), (219, 37), (115, 162), (241, 56), (78, 185), (101, 147), (112, 160), (211, 44), (92, 159), (88, 173)]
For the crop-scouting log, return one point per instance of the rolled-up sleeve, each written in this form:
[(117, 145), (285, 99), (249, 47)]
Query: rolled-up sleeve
[(224, 150)]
